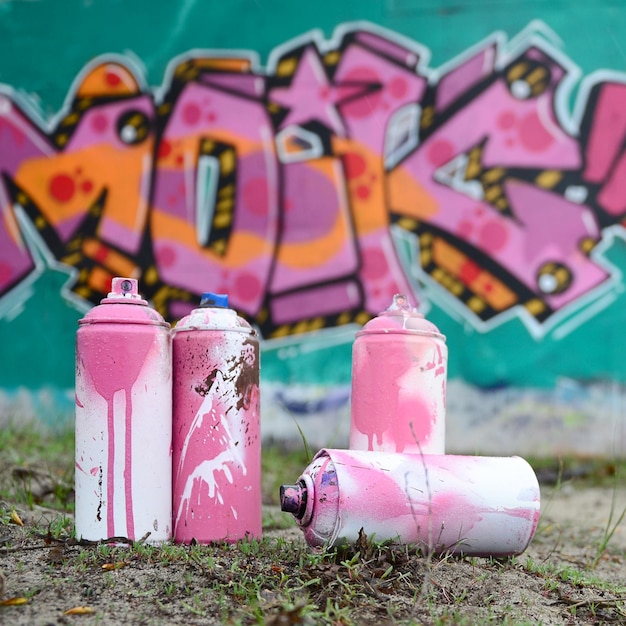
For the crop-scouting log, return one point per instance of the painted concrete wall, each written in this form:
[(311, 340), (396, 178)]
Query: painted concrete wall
[(311, 161)]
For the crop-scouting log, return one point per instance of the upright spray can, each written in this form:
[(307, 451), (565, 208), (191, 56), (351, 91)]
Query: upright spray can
[(399, 373), (483, 506), (216, 437), (123, 477)]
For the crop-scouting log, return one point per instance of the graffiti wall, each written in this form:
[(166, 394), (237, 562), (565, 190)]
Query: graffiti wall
[(311, 188)]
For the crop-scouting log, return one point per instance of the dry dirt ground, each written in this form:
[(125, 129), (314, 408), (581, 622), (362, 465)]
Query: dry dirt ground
[(564, 577)]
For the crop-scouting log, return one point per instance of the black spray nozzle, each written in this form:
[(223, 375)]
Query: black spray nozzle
[(293, 499)]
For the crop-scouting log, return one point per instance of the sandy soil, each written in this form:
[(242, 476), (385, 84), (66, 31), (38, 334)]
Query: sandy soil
[(554, 582)]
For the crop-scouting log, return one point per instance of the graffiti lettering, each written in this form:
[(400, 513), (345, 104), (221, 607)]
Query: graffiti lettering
[(289, 188)]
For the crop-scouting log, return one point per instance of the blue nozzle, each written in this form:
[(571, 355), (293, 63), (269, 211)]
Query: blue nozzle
[(209, 299)]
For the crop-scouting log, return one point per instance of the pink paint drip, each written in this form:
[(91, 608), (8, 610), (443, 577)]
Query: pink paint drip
[(112, 366), (110, 466), (395, 402)]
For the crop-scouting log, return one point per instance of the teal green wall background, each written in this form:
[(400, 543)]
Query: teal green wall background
[(46, 44)]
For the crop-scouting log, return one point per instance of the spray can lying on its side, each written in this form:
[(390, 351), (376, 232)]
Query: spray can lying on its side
[(399, 373), (216, 428), (123, 427), (483, 506)]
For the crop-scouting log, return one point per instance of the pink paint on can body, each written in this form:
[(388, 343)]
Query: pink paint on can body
[(123, 428), (216, 427), (473, 505), (399, 374)]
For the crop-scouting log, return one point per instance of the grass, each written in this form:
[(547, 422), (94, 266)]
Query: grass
[(614, 521), (280, 465), (277, 580), (592, 471), (29, 455)]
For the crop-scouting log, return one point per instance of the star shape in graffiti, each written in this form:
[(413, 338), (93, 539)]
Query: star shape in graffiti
[(310, 95)]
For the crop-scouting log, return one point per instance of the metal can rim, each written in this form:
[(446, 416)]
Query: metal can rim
[(401, 331), (117, 320), (242, 330)]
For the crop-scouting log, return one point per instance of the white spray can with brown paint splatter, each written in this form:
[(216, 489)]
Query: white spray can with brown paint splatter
[(123, 473), (216, 427)]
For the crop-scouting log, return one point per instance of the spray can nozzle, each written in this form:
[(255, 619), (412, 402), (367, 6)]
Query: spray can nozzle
[(401, 304), (126, 288), (209, 299), (293, 499)]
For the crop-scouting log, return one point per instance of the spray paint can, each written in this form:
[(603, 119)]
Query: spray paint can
[(216, 427), (123, 475), (399, 373), (483, 506)]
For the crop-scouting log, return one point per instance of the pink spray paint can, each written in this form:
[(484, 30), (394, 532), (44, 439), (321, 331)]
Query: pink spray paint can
[(123, 474), (483, 506), (216, 428), (399, 373)]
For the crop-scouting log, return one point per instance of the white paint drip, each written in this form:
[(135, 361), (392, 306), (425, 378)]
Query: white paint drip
[(208, 471)]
